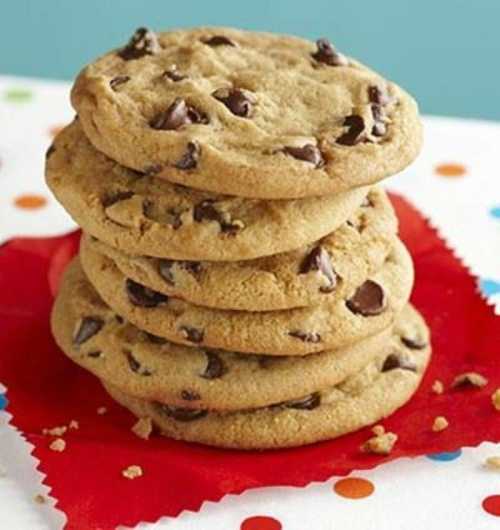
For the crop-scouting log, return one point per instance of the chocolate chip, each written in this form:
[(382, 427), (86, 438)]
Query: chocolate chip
[(49, 151), (368, 300), (469, 379), (89, 326), (215, 366), (136, 366), (189, 159), (398, 360), (174, 218), (378, 96), (193, 267), (118, 80), (119, 319), (165, 270), (152, 170), (190, 395), (327, 54), (367, 202), (354, 134), (192, 334), (154, 339), (206, 211), (379, 127), (319, 260), (218, 40), (142, 296), (305, 336), (114, 197), (308, 153), (174, 75), (237, 101), (178, 114), (94, 354), (143, 42), (180, 414), (307, 403), (414, 343)]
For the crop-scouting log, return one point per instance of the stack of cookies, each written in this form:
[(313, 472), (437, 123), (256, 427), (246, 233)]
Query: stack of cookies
[(240, 281)]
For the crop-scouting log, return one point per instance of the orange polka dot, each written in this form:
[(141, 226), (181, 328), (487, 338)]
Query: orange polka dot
[(354, 488), (451, 170), (260, 522), (30, 201), (492, 505), (55, 130)]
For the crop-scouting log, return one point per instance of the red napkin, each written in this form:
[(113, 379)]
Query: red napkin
[(45, 389)]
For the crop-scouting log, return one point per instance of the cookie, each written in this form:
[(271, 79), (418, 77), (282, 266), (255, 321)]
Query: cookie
[(246, 114), (362, 399), (153, 369), (367, 309), (141, 214), (303, 277)]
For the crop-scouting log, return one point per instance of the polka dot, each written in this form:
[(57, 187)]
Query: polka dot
[(489, 287), (450, 170), (495, 212), (3, 401), (445, 457), (30, 201), (354, 488), (491, 505), (18, 95), (260, 522), (55, 130)]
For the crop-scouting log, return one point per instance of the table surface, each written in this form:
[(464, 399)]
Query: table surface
[(455, 182)]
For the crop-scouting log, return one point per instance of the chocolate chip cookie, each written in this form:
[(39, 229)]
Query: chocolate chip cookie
[(247, 114), (303, 277), (367, 309), (380, 388), (142, 214)]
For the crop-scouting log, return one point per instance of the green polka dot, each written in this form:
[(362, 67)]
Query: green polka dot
[(18, 95)]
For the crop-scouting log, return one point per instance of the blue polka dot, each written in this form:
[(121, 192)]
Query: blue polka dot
[(3, 401), (495, 212), (489, 286), (446, 457)]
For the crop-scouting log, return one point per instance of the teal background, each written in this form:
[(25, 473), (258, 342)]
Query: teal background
[(446, 52)]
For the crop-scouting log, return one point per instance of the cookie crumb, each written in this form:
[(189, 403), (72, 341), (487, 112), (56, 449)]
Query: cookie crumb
[(440, 424), (143, 428), (102, 410), (39, 499), (55, 431), (58, 445), (382, 443), (74, 425), (437, 387), (132, 472), (469, 379), (495, 399), (493, 462)]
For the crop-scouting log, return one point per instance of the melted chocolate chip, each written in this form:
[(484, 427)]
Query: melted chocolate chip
[(114, 197), (142, 296), (379, 127), (118, 80), (89, 326), (398, 360), (368, 300), (305, 336), (190, 395), (236, 100), (307, 403), (180, 414), (118, 318), (378, 96), (308, 153), (192, 334), (136, 366), (215, 366), (174, 75), (327, 54), (218, 40), (190, 158), (355, 132), (319, 260), (143, 42), (154, 339), (174, 218), (165, 270), (206, 211), (414, 343), (94, 354), (178, 114), (152, 170), (49, 151)]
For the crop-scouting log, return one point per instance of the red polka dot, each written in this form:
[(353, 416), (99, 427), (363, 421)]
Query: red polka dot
[(354, 488), (260, 522), (450, 169), (30, 201), (492, 505)]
